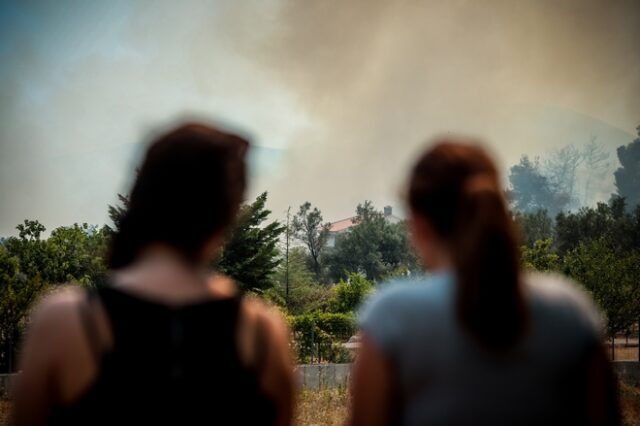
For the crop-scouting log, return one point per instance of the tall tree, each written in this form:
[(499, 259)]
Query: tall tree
[(116, 212), (560, 169), (627, 177), (251, 254), (305, 294), (596, 163), (531, 190), (310, 230)]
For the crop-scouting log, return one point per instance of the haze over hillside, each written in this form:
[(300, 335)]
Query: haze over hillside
[(338, 96)]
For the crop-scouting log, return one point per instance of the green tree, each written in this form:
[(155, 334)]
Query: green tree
[(251, 255), (17, 294), (610, 222), (116, 212), (534, 226), (78, 253), (373, 247), (531, 190), (612, 279), (310, 230), (33, 253), (627, 177), (305, 294)]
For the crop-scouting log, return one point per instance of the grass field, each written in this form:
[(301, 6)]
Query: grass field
[(329, 407)]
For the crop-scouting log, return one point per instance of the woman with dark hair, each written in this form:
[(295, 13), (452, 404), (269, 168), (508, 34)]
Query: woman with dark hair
[(166, 342), (477, 342)]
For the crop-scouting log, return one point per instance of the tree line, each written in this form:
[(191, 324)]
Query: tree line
[(289, 264)]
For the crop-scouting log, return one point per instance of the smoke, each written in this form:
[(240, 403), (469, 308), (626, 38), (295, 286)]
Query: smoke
[(380, 78), (340, 96)]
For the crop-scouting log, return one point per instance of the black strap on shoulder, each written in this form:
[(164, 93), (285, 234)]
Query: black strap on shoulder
[(87, 317)]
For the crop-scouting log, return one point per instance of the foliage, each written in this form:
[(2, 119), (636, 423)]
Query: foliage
[(70, 254), (17, 293), (560, 168), (373, 247), (540, 257), (531, 189), (350, 293), (613, 280), (116, 212), (305, 294), (627, 177), (78, 254), (251, 255), (610, 222), (534, 226), (319, 336), (310, 230)]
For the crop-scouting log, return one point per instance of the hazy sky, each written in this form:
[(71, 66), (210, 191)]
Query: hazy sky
[(337, 95)]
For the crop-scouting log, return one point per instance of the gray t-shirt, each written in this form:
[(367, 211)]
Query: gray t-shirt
[(447, 378)]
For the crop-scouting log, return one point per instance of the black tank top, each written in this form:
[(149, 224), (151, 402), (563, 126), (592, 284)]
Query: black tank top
[(168, 365)]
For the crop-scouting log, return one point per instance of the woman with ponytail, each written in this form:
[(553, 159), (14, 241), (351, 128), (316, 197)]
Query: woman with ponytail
[(477, 341), (167, 341)]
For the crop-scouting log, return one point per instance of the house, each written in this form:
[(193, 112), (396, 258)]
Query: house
[(345, 225)]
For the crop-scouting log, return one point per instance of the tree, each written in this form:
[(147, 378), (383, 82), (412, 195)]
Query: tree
[(78, 254), (627, 177), (305, 294), (596, 164), (534, 226), (608, 222), (33, 253), (250, 255), (531, 190), (310, 230), (17, 294), (611, 278), (560, 169), (117, 212), (373, 247)]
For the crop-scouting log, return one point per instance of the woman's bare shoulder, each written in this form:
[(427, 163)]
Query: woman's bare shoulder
[(58, 309), (269, 316)]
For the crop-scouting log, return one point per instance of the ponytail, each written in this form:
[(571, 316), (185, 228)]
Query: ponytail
[(455, 187), (486, 259)]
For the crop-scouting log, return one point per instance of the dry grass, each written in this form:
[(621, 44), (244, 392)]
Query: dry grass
[(324, 407), (623, 353), (630, 401), (4, 412), (329, 407)]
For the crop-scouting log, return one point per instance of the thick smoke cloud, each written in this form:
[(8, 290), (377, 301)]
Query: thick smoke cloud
[(378, 78), (339, 95)]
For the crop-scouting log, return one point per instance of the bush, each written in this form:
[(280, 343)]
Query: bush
[(349, 294), (320, 336)]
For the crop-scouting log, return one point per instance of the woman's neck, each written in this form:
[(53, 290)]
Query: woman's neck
[(161, 273)]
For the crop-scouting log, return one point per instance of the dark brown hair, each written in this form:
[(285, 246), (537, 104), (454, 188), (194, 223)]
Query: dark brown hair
[(188, 188), (455, 186)]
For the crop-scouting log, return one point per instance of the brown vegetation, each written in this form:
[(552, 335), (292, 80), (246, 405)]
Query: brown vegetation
[(330, 407)]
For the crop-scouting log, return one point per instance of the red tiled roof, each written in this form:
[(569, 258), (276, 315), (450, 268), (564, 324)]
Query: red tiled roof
[(342, 225)]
